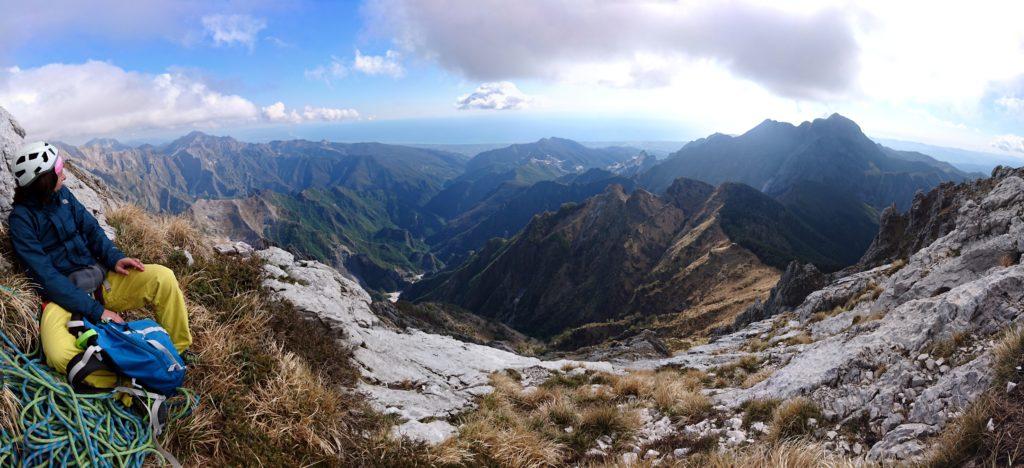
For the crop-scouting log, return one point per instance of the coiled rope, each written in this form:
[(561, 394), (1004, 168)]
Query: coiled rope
[(57, 427)]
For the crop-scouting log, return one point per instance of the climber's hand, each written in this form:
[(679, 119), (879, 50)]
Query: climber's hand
[(111, 316), (124, 264)]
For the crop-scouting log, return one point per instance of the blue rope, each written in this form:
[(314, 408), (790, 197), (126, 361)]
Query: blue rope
[(61, 428)]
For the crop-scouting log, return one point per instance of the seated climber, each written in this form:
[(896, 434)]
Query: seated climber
[(77, 268)]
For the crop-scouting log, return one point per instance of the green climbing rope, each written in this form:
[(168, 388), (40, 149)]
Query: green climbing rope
[(57, 427)]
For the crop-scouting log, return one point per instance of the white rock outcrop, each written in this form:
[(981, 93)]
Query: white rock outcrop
[(423, 378)]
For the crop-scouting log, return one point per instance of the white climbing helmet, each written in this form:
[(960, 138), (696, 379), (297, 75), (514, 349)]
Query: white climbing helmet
[(32, 160)]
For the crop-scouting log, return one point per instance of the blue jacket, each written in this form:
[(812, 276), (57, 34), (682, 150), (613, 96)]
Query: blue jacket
[(54, 239)]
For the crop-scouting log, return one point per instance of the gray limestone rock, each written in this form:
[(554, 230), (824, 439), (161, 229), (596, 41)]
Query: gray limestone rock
[(871, 360), (449, 374)]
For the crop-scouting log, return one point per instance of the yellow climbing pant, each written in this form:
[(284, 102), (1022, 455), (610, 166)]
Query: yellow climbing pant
[(156, 286)]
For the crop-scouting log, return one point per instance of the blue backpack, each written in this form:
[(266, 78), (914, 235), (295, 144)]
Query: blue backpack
[(141, 351)]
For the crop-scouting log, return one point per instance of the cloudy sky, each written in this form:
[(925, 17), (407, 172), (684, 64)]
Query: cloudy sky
[(445, 71)]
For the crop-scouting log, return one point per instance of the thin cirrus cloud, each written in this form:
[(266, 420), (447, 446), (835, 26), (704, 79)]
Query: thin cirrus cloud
[(794, 55), (99, 98), (334, 70), (234, 29), (502, 95)]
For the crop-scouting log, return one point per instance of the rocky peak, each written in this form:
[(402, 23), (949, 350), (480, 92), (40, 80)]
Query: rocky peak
[(108, 144), (768, 127), (196, 138), (836, 126), (688, 194), (931, 216)]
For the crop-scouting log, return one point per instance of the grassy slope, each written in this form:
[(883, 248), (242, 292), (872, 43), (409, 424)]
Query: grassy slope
[(277, 390)]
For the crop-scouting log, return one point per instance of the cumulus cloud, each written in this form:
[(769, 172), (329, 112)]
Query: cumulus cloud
[(1011, 143), (277, 112), (388, 64), (233, 29), (792, 54), (501, 95), (98, 98)]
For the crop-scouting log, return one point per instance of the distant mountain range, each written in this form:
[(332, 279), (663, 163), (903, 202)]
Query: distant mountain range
[(499, 173), (826, 171), (354, 205), (967, 160), (388, 213)]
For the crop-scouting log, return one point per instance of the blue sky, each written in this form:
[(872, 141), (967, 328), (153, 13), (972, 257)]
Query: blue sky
[(450, 71)]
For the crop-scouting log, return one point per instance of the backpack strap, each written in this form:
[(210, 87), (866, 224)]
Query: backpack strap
[(83, 365), (153, 402)]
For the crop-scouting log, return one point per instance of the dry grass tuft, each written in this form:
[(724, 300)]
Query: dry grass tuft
[(139, 234), (679, 395), (734, 373), (896, 266), (757, 345), (758, 410), (10, 409), (639, 384), (945, 348), (802, 339), (757, 377), (561, 412), (968, 441), (790, 454), (19, 310), (536, 397), (296, 403), (594, 394), (1009, 355), (273, 385), (790, 419), (878, 315), (1009, 259), (608, 420), (153, 239), (514, 446)]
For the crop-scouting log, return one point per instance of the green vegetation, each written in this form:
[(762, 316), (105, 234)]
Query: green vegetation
[(317, 223)]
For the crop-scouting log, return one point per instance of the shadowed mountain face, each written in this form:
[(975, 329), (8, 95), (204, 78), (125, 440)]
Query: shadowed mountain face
[(775, 156), (826, 171), (695, 249)]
